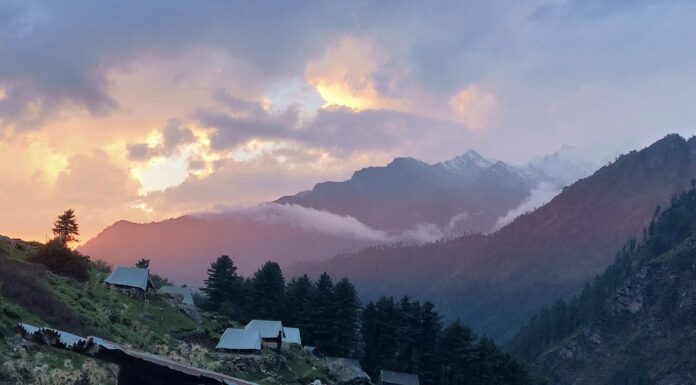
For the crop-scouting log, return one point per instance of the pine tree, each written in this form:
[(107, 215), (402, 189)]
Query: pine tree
[(346, 318), (223, 284), (65, 228), (457, 355), (427, 341), (267, 292), (298, 294), (323, 310), (408, 327)]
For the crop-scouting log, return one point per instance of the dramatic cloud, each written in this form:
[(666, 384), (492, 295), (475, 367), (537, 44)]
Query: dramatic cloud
[(198, 105)]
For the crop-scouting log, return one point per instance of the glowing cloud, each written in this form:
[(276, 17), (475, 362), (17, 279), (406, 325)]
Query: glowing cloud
[(474, 106), (343, 76)]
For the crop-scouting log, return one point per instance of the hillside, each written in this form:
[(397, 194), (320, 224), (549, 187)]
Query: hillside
[(636, 322), (404, 201), (495, 282), (29, 293)]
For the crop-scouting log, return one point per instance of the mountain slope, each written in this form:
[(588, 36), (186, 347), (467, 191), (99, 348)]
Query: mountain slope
[(494, 282), (636, 323), (405, 201)]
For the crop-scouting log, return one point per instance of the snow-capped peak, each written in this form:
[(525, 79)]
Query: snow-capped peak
[(467, 160)]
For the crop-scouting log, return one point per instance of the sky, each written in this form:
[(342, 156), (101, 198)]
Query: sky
[(147, 110)]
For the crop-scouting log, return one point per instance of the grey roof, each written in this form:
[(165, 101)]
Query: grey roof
[(67, 339), (240, 339), (291, 336), (267, 329), (398, 378), (129, 276), (154, 359), (185, 292)]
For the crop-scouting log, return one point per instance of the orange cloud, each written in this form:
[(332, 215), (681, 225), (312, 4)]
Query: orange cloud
[(474, 106), (343, 76)]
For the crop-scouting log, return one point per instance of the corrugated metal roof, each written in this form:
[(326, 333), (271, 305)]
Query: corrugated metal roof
[(240, 339), (185, 292), (267, 329), (292, 336), (129, 276), (71, 340), (398, 378)]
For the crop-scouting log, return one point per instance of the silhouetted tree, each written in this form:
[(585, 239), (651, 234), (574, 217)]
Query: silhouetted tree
[(346, 318), (143, 263), (267, 292), (65, 228), (223, 284), (58, 258)]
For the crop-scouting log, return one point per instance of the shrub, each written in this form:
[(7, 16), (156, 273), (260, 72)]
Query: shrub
[(58, 258)]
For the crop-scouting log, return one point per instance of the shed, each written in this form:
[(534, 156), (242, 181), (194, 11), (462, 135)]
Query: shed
[(395, 378), (130, 277), (240, 340), (176, 291), (268, 330), (291, 336)]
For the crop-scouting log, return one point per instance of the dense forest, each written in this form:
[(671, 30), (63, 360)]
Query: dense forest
[(631, 288), (401, 335)]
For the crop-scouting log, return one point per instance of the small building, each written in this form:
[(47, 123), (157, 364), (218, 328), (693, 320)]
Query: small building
[(130, 278), (183, 293), (269, 330), (291, 336), (387, 377), (240, 340)]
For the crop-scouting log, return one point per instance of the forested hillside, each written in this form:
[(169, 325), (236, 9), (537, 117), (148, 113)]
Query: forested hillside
[(636, 322), (495, 282)]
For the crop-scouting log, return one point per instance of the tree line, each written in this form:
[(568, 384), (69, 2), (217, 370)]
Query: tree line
[(404, 335)]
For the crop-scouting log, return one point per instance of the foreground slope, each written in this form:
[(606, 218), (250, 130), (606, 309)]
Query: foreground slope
[(636, 322), (495, 282)]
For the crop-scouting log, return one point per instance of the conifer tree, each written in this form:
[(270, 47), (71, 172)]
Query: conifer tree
[(427, 341), (223, 284), (457, 354), (298, 294), (346, 318), (267, 292), (65, 228), (324, 313)]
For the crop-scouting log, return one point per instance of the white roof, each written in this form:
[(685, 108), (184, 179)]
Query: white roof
[(292, 336), (185, 292), (240, 339), (267, 329), (129, 276)]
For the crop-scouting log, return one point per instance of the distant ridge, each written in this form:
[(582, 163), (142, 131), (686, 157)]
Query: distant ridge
[(495, 282)]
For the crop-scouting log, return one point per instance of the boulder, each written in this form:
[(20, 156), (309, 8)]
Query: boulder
[(347, 373)]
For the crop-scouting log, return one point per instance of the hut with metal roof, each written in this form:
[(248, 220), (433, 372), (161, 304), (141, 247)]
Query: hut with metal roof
[(240, 341), (269, 330), (183, 294), (387, 377), (291, 336), (130, 278)]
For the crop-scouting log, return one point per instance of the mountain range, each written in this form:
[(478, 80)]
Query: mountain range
[(494, 282), (406, 201)]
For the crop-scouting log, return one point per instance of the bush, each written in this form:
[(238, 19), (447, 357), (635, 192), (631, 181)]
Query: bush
[(58, 258)]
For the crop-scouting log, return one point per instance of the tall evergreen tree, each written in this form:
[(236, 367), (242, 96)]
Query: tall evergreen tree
[(223, 284), (457, 355), (346, 318), (408, 328), (324, 314), (65, 228), (427, 342), (298, 294), (268, 292)]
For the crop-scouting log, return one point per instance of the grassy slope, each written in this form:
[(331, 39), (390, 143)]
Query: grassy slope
[(102, 311)]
